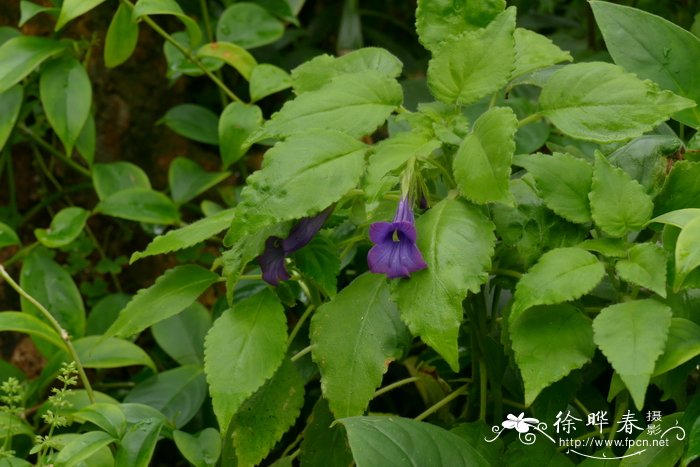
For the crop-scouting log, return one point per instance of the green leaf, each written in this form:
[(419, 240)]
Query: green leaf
[(267, 79), (14, 462), (534, 51), (141, 205), (66, 94), (168, 7), (267, 415), (122, 36), (457, 242), (29, 10), (619, 204), (66, 225), (82, 448), (632, 336), (20, 55), (172, 292), (397, 442), (645, 159), (532, 335), (138, 443), (482, 162), (110, 352), (237, 122), (682, 345), (561, 275), (354, 337), (652, 48), (177, 393), (71, 9), (474, 64), (187, 179), (8, 237), (182, 336), (105, 312), (319, 71), (114, 177), (645, 266), (356, 104), (329, 161), (656, 453), (194, 122), (187, 236), (439, 20), (243, 349), (87, 140), (679, 218), (324, 442), (248, 25), (681, 189), (563, 181), (28, 324), (687, 254), (179, 64), (601, 102), (232, 54), (202, 449), (12, 425), (319, 262), (51, 285), (10, 105), (108, 417)]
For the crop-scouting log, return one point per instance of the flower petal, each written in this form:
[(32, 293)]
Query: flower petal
[(404, 213), (272, 262), (305, 230), (381, 232)]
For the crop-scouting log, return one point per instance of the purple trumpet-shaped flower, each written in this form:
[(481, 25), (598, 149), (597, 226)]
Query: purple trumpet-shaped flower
[(395, 252), (276, 249)]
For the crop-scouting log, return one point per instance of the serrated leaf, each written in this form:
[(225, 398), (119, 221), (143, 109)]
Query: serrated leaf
[(682, 345), (8, 237), (300, 176), (194, 122), (243, 349), (66, 95), (73, 8), (168, 7), (563, 181), (645, 159), (187, 236), (645, 266), (353, 339), (140, 205), (20, 55), (534, 51), (319, 262), (182, 336), (10, 105), (248, 25), (324, 443), (532, 335), (65, 227), (652, 48), (172, 292), (267, 415), (681, 189), (687, 254), (618, 203), (601, 102), (82, 448), (231, 54), (319, 71), (267, 79), (356, 104), (110, 352), (474, 64), (397, 442), (632, 336), (187, 179), (28, 324), (122, 36), (560, 275), (202, 449), (482, 162), (114, 177), (178, 393), (237, 122), (438, 20), (457, 242)]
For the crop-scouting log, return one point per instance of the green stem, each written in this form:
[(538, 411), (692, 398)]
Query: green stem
[(507, 272), (483, 389), (515, 404), (394, 385), (210, 37), (24, 251), (250, 277), (55, 152), (65, 337), (529, 119), (621, 407), (297, 327), (442, 402), (301, 353)]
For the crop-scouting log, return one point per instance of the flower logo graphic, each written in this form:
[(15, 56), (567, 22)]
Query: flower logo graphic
[(520, 423)]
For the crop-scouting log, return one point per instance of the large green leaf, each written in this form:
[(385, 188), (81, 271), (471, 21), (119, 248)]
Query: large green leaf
[(601, 102), (632, 336), (243, 349), (28, 324), (682, 344), (66, 94), (10, 105), (560, 275), (457, 242), (474, 64), (20, 55), (563, 181), (82, 448), (324, 443), (105, 312), (267, 415), (687, 253), (187, 179), (187, 236), (439, 20), (353, 339), (532, 335), (202, 449), (237, 122), (112, 178), (172, 292), (234, 55), (679, 218), (122, 36), (182, 336), (398, 442), (194, 122), (300, 176), (168, 7), (66, 225), (662, 448), (110, 352), (319, 262), (27, 11), (73, 8), (646, 159), (681, 189), (619, 204), (107, 416), (177, 393), (482, 163), (138, 443), (8, 236), (140, 205), (652, 48), (248, 25), (12, 425), (645, 265), (267, 79), (534, 51), (355, 103)]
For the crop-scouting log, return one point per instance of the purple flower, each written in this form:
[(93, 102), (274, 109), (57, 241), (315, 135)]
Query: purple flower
[(395, 252), (276, 249)]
